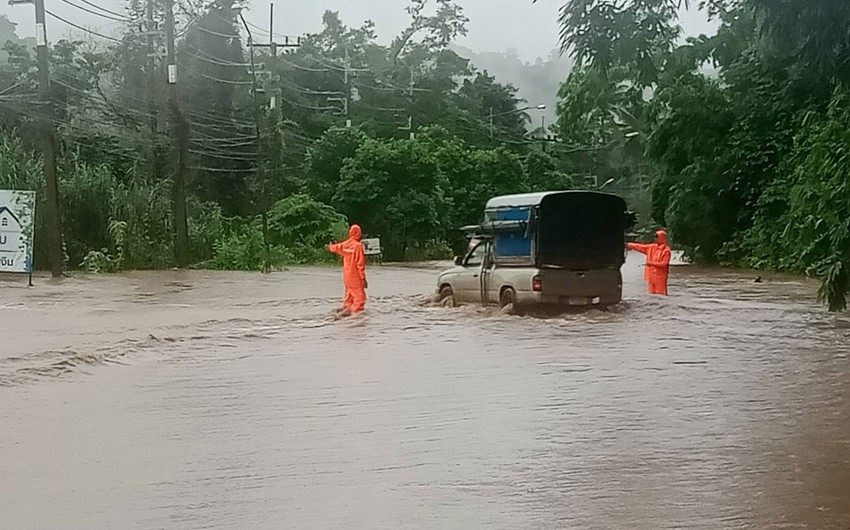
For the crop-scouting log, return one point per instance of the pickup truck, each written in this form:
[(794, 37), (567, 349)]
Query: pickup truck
[(559, 249)]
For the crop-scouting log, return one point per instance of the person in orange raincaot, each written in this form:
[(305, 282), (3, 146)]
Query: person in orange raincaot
[(657, 262), (353, 271)]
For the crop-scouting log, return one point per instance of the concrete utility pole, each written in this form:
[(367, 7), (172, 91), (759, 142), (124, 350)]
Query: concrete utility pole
[(54, 220), (261, 175), (543, 133), (410, 91), (273, 45), (48, 142), (153, 83), (347, 87), (181, 133), (491, 123)]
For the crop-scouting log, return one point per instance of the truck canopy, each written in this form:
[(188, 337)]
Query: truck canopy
[(576, 230)]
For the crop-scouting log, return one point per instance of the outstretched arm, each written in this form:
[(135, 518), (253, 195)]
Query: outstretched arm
[(336, 248), (637, 247)]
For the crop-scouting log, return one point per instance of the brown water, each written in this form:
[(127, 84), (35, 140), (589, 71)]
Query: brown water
[(221, 400)]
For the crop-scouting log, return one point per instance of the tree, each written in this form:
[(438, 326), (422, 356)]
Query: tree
[(395, 189), (746, 172), (544, 172), (328, 156)]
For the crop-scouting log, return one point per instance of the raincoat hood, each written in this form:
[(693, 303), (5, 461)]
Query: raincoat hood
[(662, 236), (355, 232)]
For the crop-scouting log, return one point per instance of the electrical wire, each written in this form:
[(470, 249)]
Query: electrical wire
[(93, 12), (234, 157), (217, 62), (226, 81), (81, 28), (304, 68), (220, 170), (218, 34), (92, 4)]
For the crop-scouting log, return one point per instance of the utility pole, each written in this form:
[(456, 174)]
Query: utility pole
[(410, 97), (409, 127), (261, 175), (152, 33), (181, 132), (491, 124), (151, 71), (272, 44), (54, 220), (347, 87), (543, 133), (48, 142), (344, 101)]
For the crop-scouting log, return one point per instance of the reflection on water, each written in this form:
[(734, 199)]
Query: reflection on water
[(226, 400)]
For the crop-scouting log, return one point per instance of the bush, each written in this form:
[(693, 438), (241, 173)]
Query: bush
[(299, 229), (301, 221)]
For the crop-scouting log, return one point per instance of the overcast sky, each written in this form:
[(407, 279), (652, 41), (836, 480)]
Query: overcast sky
[(495, 25)]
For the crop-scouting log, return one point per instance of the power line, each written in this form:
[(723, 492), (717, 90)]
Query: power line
[(193, 113), (226, 81), (92, 4), (305, 68), (213, 59), (218, 34), (103, 102), (225, 156), (221, 170), (81, 28), (93, 12)]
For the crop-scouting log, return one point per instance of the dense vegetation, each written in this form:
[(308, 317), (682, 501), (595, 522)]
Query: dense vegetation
[(273, 174), (741, 136), (751, 158)]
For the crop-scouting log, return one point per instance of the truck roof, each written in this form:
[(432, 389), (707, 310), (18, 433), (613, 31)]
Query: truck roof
[(524, 200)]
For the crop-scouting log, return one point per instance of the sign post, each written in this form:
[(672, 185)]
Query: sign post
[(17, 227)]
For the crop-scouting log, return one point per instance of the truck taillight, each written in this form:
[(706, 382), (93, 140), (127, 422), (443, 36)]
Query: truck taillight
[(537, 284)]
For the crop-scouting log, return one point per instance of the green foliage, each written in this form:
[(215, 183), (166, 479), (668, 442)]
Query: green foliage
[(435, 249), (327, 157), (103, 260), (301, 220), (751, 168), (545, 174), (801, 222), (395, 189), (299, 229), (117, 141)]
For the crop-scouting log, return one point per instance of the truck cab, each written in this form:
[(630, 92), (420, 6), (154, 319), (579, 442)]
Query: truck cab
[(543, 249)]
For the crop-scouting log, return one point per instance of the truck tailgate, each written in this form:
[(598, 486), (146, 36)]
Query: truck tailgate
[(570, 287)]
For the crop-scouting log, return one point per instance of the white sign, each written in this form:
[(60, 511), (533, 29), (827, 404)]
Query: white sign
[(372, 247), (17, 223), (40, 34)]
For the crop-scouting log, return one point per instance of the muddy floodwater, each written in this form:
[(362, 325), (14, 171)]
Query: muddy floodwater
[(193, 400)]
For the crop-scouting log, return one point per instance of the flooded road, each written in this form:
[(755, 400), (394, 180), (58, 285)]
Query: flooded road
[(194, 400)]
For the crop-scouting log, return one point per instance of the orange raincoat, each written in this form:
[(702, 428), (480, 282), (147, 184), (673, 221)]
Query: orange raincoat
[(657, 262), (353, 269)]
